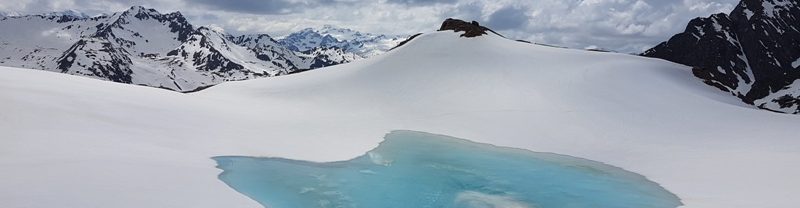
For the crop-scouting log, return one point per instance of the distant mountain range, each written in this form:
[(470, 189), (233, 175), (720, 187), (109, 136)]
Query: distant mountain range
[(753, 52), (145, 47), (362, 44)]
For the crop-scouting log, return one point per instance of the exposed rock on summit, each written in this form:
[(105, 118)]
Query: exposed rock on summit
[(470, 29)]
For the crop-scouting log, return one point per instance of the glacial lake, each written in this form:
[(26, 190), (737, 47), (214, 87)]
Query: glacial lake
[(414, 169)]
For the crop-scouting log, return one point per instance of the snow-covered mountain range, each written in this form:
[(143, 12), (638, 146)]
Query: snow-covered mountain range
[(362, 44), (145, 47), (753, 52)]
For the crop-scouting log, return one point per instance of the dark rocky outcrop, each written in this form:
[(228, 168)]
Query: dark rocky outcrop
[(753, 53), (470, 29), (98, 58), (406, 41)]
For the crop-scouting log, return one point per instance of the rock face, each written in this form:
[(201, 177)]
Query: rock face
[(753, 53), (470, 29), (98, 58)]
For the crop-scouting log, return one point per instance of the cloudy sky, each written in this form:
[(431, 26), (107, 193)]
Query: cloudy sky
[(621, 25)]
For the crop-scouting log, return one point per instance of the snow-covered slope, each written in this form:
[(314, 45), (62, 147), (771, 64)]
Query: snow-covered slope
[(269, 50), (77, 142)]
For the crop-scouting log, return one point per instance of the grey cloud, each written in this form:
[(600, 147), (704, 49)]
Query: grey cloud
[(507, 18), (421, 2), (464, 11), (253, 6), (204, 17)]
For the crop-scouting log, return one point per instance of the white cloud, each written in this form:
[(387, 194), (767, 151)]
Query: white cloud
[(623, 25)]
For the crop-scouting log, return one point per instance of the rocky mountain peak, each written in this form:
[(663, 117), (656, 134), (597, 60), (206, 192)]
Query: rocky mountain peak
[(770, 8), (140, 12), (753, 52)]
